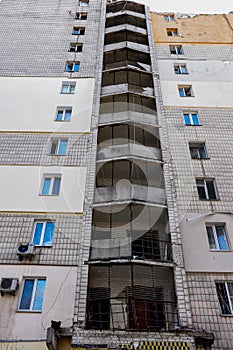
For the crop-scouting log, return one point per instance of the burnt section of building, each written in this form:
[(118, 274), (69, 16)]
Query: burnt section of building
[(131, 279)]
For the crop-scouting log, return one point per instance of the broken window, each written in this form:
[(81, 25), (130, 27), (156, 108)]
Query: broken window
[(206, 189), (225, 297)]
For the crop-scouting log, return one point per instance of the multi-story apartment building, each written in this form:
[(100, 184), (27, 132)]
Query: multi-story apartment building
[(116, 202)]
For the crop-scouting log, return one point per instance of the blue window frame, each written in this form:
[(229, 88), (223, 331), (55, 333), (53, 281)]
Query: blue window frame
[(63, 114), (33, 294), (191, 119), (72, 66), (58, 147), (43, 233), (51, 185)]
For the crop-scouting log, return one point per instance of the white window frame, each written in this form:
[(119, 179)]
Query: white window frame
[(173, 31), (80, 14), (169, 18), (206, 189), (71, 87), (215, 236), (191, 114), (183, 88), (228, 296), (63, 110), (78, 29), (57, 146), (74, 47), (52, 177), (180, 67), (176, 49), (35, 279), (84, 3), (198, 145), (42, 232)]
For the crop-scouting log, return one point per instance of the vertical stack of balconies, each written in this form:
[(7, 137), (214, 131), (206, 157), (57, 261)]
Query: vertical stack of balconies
[(131, 270)]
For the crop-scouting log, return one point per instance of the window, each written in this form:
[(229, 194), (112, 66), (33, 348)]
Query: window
[(43, 233), (32, 295), (81, 15), (84, 3), (51, 185), (63, 114), (58, 147), (217, 237), (74, 47), (191, 119), (72, 66), (198, 150), (180, 69), (78, 31), (68, 88), (172, 32), (169, 18), (185, 91), (225, 297), (206, 189), (176, 50)]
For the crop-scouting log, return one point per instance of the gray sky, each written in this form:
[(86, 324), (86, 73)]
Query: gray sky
[(190, 6)]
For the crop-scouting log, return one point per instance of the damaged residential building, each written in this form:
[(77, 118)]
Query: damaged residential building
[(116, 177)]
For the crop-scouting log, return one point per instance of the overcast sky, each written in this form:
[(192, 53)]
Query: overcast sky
[(190, 6)]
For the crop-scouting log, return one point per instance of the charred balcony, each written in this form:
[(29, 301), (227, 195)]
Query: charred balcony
[(119, 6), (124, 18), (125, 140), (126, 58), (125, 36), (132, 231), (131, 297), (128, 107), (127, 80), (130, 179)]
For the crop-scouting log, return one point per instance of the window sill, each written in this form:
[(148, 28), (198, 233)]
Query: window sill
[(62, 121), (200, 158), (56, 155), (228, 315), (185, 96), (30, 311), (209, 200), (192, 125), (220, 250), (48, 195), (67, 93)]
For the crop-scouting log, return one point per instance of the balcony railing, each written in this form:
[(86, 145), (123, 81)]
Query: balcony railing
[(144, 247), (132, 314)]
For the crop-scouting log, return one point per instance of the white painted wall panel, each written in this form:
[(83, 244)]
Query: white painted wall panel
[(58, 302), (20, 188), (30, 104)]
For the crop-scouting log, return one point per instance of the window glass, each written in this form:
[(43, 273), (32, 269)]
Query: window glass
[(195, 119), (37, 233), (187, 119), (56, 186), (67, 114), (46, 186), (25, 302), (39, 294)]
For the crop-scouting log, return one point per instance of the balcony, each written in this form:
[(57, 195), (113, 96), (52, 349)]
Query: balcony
[(127, 80), (120, 6), (127, 140), (126, 180), (123, 36), (128, 107), (132, 298), (126, 58), (124, 18)]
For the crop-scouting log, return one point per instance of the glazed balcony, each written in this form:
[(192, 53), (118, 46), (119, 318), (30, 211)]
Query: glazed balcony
[(126, 58), (121, 38), (127, 180), (119, 6), (126, 140), (131, 298), (128, 107), (127, 80), (124, 19)]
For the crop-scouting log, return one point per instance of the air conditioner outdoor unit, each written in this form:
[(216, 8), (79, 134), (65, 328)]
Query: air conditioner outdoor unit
[(8, 285), (26, 251)]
